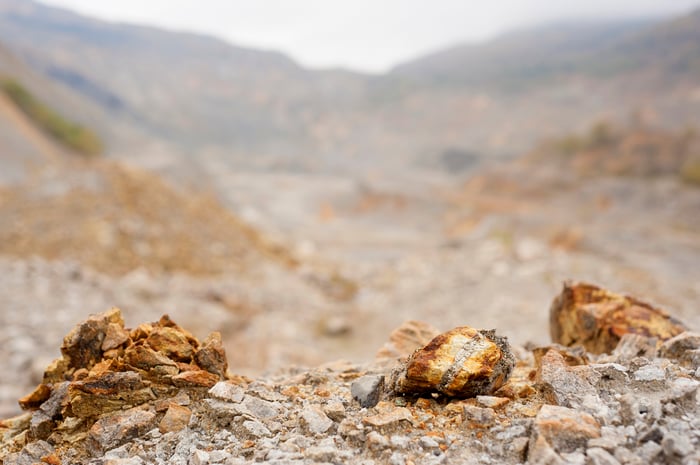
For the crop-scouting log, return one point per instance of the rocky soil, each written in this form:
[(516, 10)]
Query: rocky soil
[(359, 258), (156, 394), (505, 249)]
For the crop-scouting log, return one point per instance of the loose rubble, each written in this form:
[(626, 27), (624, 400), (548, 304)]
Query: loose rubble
[(155, 394)]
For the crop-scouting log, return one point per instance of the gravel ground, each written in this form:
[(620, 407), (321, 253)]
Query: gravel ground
[(637, 405)]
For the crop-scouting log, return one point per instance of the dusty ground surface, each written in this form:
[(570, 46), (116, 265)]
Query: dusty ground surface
[(155, 394)]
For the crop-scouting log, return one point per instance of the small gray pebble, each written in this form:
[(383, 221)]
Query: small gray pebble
[(367, 390)]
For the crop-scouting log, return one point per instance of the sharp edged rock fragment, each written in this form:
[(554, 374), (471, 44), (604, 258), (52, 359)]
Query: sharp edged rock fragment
[(405, 339), (584, 314), (564, 429), (463, 362), (367, 390)]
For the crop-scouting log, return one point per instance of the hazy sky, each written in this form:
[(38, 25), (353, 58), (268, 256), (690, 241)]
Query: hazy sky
[(368, 35)]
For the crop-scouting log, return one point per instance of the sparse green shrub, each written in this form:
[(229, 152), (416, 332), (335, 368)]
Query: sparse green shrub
[(600, 135), (690, 171), (71, 135), (569, 145)]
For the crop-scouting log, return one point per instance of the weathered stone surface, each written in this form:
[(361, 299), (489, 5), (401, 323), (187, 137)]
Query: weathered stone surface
[(564, 429), (36, 397), (225, 390), (598, 456), (200, 457), (115, 336), (148, 360), (108, 392), (683, 392), (564, 385), (376, 441), (115, 429), (649, 452), (676, 446), (320, 454), (572, 356), (463, 362), (171, 343), (367, 390), (30, 454), (595, 318), (388, 417), (315, 419), (41, 425), (175, 419), (141, 332), (492, 401), (405, 339), (82, 347), (195, 378), (256, 429), (212, 356), (540, 452), (260, 408), (478, 415), (650, 373), (109, 384), (685, 348), (633, 345), (43, 419)]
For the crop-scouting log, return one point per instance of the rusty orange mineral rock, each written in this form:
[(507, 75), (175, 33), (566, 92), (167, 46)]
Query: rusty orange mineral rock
[(586, 315), (463, 362), (105, 367)]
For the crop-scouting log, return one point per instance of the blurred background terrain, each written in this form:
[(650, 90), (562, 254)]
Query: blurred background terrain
[(305, 212)]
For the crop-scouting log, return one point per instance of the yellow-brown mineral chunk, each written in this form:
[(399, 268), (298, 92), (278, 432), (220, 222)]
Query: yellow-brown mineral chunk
[(586, 315), (463, 362)]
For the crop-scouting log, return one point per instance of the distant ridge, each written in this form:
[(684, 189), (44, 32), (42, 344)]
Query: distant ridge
[(174, 97), (564, 48)]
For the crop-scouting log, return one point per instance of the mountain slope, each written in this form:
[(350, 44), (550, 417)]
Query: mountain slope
[(541, 54), (503, 96), (519, 56), (22, 145), (671, 47), (193, 90)]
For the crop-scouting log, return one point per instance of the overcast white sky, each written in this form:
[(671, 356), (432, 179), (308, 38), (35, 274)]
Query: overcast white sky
[(367, 35)]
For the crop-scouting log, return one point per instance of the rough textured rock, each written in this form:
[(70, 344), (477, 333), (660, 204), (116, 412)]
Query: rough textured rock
[(195, 378), (368, 390), (227, 391), (564, 429), (171, 342), (212, 356), (463, 362), (42, 421), (685, 348), (35, 398), (82, 347), (107, 392), (176, 418), (316, 419), (405, 339), (561, 384), (388, 417), (595, 318), (113, 430)]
